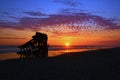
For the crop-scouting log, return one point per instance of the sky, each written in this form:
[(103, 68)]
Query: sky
[(77, 22)]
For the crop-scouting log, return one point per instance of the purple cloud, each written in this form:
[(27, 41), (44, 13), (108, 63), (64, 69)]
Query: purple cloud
[(11, 25), (71, 3), (33, 13), (63, 23)]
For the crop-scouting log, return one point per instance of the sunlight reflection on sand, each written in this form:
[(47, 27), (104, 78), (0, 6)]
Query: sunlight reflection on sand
[(60, 52), (52, 53)]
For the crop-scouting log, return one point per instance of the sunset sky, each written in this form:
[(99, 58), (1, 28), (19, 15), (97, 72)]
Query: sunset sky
[(73, 22)]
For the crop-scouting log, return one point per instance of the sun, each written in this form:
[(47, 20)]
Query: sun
[(67, 44)]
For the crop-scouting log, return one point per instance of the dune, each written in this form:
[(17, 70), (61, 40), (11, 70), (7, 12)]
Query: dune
[(101, 64)]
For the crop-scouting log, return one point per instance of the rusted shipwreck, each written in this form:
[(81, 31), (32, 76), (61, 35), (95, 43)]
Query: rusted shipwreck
[(36, 47)]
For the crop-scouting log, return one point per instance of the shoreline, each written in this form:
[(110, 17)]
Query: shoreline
[(103, 64), (51, 53)]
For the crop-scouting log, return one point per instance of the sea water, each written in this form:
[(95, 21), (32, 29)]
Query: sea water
[(9, 52)]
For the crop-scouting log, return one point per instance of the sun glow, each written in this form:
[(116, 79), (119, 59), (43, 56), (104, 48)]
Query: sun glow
[(67, 44)]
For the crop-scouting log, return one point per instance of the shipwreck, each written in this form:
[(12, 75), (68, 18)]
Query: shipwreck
[(36, 47)]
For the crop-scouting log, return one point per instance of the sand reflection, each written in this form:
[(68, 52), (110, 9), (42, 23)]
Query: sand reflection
[(65, 51), (51, 53)]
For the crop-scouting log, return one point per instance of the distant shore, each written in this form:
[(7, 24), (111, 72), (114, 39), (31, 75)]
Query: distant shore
[(103, 64)]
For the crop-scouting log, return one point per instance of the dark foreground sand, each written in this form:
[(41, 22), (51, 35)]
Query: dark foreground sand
[(91, 65)]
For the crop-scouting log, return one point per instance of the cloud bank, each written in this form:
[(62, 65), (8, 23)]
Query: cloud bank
[(65, 22), (68, 20)]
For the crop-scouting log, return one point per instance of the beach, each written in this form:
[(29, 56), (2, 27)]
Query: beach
[(103, 64), (9, 52), (59, 39)]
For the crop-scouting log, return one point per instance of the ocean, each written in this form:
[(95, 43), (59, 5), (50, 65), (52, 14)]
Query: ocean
[(9, 52)]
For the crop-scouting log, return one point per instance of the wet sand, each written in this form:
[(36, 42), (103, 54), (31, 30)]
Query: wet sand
[(51, 53), (101, 64)]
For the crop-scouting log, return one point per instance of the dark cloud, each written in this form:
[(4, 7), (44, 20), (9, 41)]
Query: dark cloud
[(13, 17), (11, 25), (71, 11), (33, 13), (71, 3)]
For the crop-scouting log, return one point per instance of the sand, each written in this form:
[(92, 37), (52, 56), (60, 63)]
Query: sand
[(101, 64)]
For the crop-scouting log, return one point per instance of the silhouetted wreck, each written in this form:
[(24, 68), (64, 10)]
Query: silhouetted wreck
[(36, 47)]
